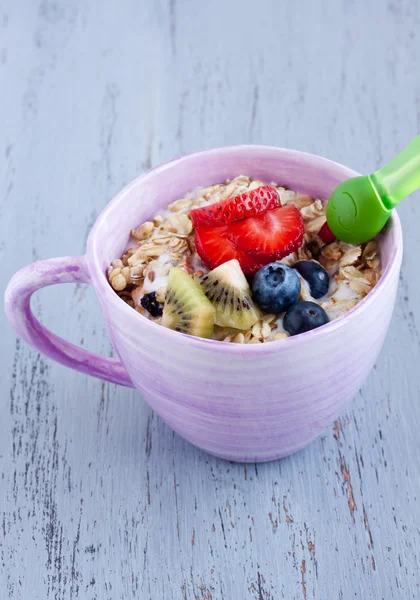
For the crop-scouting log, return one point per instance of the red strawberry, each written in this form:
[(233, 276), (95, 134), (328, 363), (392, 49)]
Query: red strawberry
[(326, 234), (215, 248), (275, 233), (240, 207), (254, 242)]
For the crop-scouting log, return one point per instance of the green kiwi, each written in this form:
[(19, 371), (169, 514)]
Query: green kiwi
[(186, 308), (228, 290)]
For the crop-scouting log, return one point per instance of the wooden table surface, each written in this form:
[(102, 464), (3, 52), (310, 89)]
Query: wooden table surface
[(98, 498)]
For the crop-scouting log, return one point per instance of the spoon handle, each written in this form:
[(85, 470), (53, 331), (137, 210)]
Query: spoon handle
[(400, 177)]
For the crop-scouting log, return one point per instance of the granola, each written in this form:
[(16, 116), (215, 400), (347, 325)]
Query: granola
[(167, 240)]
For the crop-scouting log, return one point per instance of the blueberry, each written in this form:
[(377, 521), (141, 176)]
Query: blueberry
[(304, 316), (315, 275), (275, 288), (150, 303)]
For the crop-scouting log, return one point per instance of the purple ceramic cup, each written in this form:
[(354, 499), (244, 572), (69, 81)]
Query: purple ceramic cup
[(240, 402)]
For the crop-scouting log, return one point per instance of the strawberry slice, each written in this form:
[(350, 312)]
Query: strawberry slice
[(215, 248), (273, 234), (254, 242), (240, 207), (326, 234)]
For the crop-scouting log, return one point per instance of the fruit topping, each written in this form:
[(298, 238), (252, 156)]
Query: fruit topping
[(316, 276), (304, 316), (150, 303), (186, 308), (254, 241), (240, 207), (228, 291), (275, 288), (326, 234), (273, 234), (215, 247)]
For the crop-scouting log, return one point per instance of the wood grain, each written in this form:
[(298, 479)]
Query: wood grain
[(99, 500)]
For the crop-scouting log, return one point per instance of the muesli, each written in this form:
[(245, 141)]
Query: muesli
[(242, 261)]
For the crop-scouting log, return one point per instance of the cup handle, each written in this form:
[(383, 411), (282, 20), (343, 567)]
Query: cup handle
[(69, 269)]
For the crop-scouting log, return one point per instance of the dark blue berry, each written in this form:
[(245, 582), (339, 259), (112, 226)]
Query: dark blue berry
[(150, 303), (315, 275), (275, 287), (304, 316)]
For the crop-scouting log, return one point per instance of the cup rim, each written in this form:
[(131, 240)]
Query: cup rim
[(100, 283)]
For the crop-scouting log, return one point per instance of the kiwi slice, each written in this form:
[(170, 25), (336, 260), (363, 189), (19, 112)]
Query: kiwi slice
[(228, 290), (186, 308)]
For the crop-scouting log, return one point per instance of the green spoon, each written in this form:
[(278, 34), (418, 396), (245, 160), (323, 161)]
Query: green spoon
[(359, 208)]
